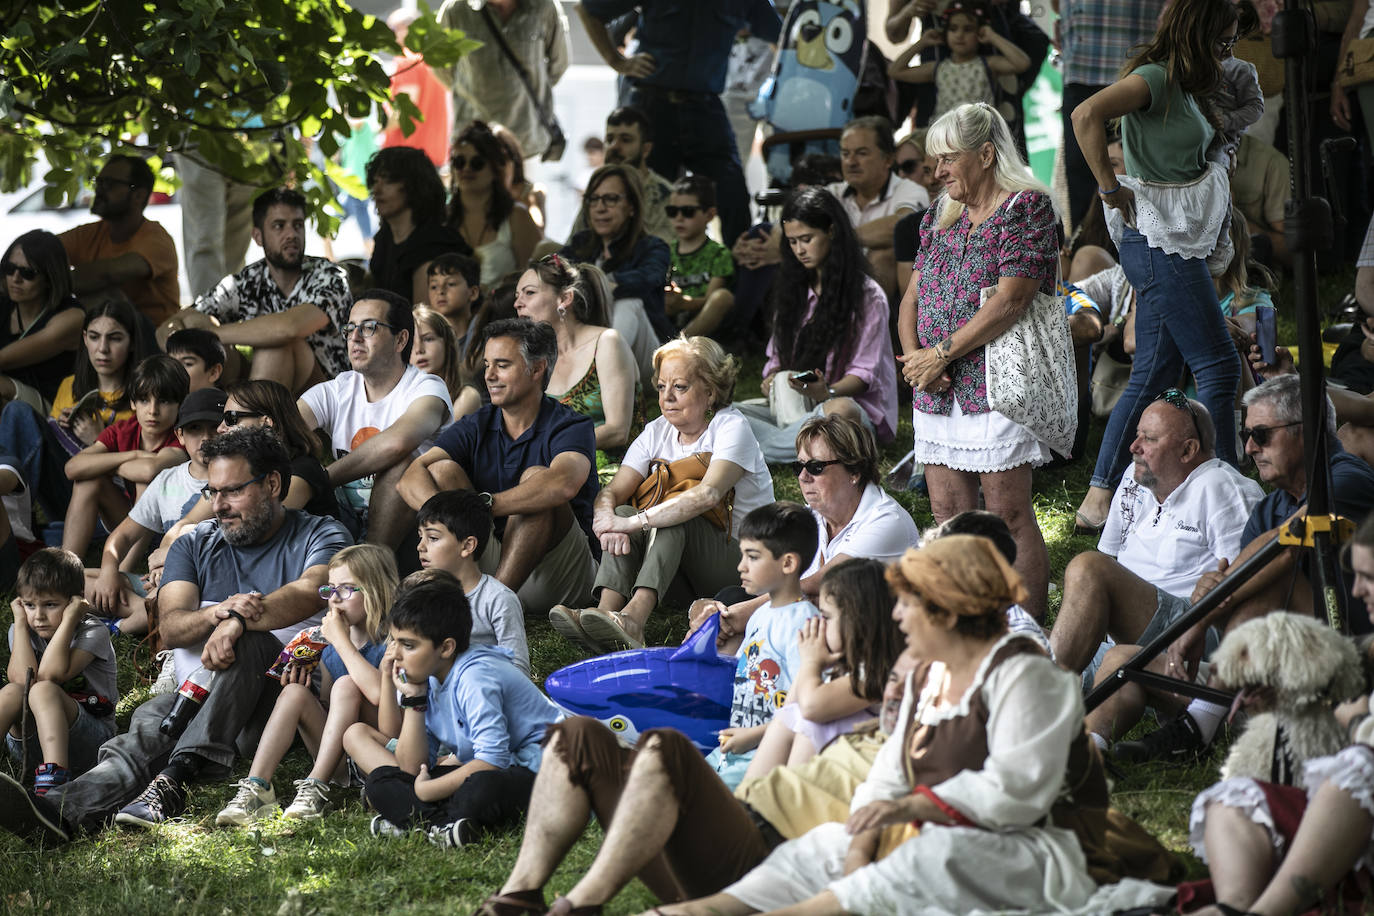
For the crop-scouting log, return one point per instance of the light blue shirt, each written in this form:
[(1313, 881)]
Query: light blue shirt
[(486, 709)]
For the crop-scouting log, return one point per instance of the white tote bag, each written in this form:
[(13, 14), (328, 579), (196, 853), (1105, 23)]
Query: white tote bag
[(1030, 372)]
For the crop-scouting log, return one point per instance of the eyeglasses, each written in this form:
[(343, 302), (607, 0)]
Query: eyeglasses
[(1226, 44), (28, 273), (232, 417), (815, 467), (211, 493), (368, 327), (907, 166), (110, 184), (344, 591), (1262, 434), (1175, 398), (610, 200), (687, 211), (463, 163)]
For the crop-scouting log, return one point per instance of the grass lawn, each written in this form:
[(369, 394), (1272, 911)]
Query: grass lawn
[(336, 867)]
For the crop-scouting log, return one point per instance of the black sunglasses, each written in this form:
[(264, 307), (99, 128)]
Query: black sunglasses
[(815, 467), (232, 417), (1175, 398), (907, 166), (688, 211), (1262, 434), (28, 273), (460, 163)]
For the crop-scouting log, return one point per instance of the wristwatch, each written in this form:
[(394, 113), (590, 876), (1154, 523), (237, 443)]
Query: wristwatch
[(420, 702)]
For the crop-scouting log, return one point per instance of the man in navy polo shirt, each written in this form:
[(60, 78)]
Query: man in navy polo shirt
[(535, 458)]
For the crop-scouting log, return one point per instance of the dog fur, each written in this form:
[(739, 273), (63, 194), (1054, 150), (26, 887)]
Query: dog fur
[(1310, 668)]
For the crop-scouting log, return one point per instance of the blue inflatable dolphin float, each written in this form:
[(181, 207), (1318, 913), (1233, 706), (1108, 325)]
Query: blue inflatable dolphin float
[(687, 687)]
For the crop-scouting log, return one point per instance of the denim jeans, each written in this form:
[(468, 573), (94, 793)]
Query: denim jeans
[(1178, 322), (692, 130), (42, 460)]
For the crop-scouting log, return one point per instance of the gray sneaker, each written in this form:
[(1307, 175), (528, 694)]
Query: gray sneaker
[(250, 803), (312, 800), (167, 675)]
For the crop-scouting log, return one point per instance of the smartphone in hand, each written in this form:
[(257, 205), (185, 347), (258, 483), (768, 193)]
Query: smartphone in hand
[(1266, 332), (806, 378)]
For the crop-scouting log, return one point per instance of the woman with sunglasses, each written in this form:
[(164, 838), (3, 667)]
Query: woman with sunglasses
[(1168, 216), (687, 542), (830, 351), (595, 372), (635, 262), (500, 231), (40, 320)]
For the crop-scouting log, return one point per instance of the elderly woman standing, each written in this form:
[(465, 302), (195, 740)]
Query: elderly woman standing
[(981, 758), (994, 227), (1168, 217), (645, 550)]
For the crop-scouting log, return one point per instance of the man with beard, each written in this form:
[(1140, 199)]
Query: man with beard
[(233, 591), (629, 140), (123, 254), (288, 307), (1178, 511)]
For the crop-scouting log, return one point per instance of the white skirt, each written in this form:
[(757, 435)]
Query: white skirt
[(977, 442)]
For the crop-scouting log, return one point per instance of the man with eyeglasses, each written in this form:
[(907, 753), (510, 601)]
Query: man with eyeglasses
[(287, 306), (379, 415), (1177, 513), (123, 253), (234, 591)]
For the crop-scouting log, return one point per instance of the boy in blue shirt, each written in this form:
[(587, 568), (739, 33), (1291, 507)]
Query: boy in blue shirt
[(777, 543), (454, 526), (469, 723)]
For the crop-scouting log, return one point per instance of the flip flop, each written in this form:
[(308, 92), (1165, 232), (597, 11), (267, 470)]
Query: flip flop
[(566, 622), (607, 630), (1082, 526), (519, 903)]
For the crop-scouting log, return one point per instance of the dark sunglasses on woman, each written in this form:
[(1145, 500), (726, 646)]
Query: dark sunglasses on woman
[(232, 417), (28, 273), (815, 467), (908, 166), (463, 163)]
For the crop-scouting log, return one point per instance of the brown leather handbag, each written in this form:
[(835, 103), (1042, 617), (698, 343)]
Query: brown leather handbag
[(667, 479)]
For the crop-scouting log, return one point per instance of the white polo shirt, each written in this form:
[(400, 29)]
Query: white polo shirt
[(1171, 544), (880, 530), (897, 195)]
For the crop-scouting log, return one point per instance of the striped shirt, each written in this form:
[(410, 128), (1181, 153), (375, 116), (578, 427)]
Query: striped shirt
[(1099, 35)]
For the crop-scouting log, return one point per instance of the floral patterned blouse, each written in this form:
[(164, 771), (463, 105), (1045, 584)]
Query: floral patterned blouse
[(1020, 239)]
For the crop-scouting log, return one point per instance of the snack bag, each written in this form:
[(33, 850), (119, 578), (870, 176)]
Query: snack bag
[(303, 651)]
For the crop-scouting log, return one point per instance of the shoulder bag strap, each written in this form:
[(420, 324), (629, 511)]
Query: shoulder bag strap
[(520, 70)]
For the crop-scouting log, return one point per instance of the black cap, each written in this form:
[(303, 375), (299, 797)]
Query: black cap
[(204, 405)]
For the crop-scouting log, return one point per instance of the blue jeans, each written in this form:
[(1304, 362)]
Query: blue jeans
[(692, 130), (1178, 322)]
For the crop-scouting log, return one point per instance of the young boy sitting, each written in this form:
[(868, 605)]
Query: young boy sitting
[(776, 543), (199, 350), (454, 293), (468, 703), (134, 450), (702, 270), (454, 528), (161, 507), (73, 694)]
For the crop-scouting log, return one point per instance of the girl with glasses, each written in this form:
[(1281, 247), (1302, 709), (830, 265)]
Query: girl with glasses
[(40, 319), (362, 584), (500, 232)]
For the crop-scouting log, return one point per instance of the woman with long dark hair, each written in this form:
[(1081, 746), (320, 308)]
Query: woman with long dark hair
[(1168, 216), (40, 319), (497, 229), (830, 351), (409, 197)]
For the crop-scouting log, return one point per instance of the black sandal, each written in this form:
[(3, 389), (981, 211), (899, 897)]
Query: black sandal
[(563, 907), (516, 903)]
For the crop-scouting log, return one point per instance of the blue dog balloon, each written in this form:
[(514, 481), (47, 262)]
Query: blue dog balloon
[(687, 688)]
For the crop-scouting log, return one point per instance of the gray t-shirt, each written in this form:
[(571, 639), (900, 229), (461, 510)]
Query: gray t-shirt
[(498, 619), (168, 498), (99, 678), (220, 570)]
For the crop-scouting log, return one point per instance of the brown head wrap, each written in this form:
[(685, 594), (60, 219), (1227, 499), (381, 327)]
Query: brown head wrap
[(962, 574)]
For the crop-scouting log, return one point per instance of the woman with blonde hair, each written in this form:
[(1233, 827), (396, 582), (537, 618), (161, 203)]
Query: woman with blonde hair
[(362, 584), (689, 538)]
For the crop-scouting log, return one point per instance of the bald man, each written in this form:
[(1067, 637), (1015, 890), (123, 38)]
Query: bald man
[(1178, 511)]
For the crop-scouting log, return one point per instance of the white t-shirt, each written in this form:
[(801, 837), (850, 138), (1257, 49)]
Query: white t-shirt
[(898, 195), (168, 498), (18, 504), (880, 530), (1171, 545), (498, 619), (727, 437), (342, 409)]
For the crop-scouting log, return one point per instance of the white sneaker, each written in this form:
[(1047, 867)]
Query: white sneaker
[(312, 800), (167, 677), (251, 803)]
